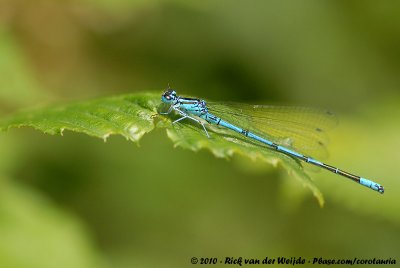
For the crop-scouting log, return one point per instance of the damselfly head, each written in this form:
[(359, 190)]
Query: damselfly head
[(169, 96)]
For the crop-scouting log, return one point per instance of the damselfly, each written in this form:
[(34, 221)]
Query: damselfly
[(293, 131)]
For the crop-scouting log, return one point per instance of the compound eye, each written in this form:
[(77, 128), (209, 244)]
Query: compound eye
[(168, 97)]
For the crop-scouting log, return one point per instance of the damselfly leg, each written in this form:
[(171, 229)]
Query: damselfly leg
[(185, 115)]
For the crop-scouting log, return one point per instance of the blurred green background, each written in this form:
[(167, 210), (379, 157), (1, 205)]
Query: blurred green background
[(75, 201)]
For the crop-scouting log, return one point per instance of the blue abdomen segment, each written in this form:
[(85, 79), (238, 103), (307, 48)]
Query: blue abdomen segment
[(216, 120), (315, 162), (373, 185), (230, 126), (257, 138), (288, 151)]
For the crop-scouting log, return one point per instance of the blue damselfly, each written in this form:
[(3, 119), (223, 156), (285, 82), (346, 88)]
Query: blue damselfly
[(294, 131)]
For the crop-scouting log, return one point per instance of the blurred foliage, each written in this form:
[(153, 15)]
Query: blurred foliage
[(154, 206), (15, 76), (31, 230)]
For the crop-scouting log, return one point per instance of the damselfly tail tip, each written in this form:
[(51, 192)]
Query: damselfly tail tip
[(373, 185), (381, 189), (377, 187)]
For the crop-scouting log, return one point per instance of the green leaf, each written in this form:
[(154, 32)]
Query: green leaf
[(134, 115), (128, 115)]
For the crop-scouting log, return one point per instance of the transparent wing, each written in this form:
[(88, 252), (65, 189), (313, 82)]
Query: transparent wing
[(302, 129)]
